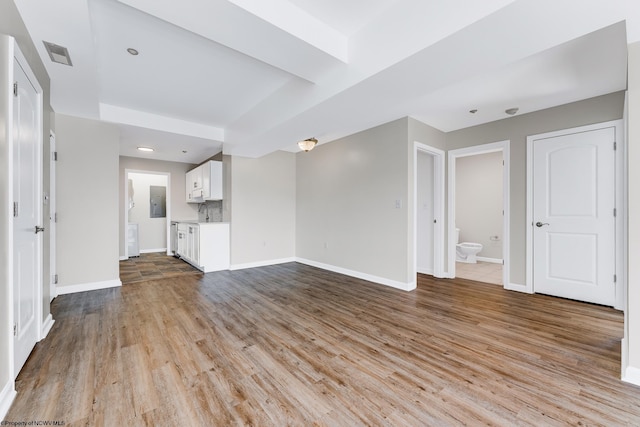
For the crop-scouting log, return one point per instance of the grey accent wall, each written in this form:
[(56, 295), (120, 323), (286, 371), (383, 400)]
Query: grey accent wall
[(346, 203), (479, 201), (87, 201), (263, 208), (516, 129), (11, 24), (180, 209)]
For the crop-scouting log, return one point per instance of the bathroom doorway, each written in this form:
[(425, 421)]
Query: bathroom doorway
[(479, 213)]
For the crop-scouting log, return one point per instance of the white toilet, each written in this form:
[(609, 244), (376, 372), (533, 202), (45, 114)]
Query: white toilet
[(466, 251)]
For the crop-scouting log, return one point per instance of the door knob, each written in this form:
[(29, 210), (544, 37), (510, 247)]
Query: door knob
[(540, 224), (39, 229)]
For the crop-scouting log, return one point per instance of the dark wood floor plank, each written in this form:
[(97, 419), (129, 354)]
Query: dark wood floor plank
[(295, 345)]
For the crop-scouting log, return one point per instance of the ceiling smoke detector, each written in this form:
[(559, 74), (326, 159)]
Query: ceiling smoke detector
[(58, 54)]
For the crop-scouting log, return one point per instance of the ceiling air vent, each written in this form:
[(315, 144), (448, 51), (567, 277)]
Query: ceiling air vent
[(58, 54)]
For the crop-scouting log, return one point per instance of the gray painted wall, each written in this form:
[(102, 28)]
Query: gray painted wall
[(263, 208), (87, 180), (516, 129), (479, 201), (346, 203), (180, 209)]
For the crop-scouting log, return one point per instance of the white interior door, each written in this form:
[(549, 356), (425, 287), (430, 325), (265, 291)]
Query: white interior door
[(573, 216), (27, 246), (425, 213)]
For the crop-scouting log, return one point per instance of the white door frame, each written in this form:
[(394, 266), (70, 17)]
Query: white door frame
[(493, 147), (41, 329), (620, 191), (126, 209), (438, 208), (52, 217)]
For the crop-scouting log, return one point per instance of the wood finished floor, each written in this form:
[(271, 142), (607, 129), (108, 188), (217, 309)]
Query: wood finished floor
[(153, 266), (295, 345)]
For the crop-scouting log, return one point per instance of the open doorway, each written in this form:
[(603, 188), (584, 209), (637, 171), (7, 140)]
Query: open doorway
[(479, 213), (429, 213), (147, 213)]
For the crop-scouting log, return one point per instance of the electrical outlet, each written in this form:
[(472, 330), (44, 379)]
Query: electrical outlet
[(398, 204)]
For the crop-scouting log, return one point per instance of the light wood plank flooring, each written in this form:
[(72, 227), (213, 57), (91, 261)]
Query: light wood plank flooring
[(295, 345)]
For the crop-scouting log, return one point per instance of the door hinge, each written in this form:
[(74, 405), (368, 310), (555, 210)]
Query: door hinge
[(15, 329), (615, 278), (15, 209), (615, 212), (55, 156), (615, 145), (15, 88), (55, 217), (55, 279)]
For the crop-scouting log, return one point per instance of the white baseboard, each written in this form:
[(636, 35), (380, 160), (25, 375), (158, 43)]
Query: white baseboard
[(123, 258), (84, 287), (7, 395), (46, 326), (152, 251), (364, 276), (491, 260), (517, 287), (631, 375), (261, 263)]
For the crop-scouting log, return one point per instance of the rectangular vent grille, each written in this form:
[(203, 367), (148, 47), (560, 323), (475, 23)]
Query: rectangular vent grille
[(58, 54)]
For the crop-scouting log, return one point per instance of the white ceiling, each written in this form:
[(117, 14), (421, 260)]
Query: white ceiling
[(254, 76)]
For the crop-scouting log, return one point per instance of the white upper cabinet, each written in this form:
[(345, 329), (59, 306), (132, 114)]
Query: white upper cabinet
[(204, 182)]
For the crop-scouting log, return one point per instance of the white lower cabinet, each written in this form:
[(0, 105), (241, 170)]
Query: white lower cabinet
[(204, 245)]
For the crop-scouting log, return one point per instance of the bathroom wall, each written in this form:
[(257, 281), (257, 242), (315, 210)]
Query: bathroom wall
[(152, 232), (479, 202)]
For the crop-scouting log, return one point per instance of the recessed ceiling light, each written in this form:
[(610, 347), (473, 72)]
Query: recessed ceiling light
[(511, 111), (132, 51), (184, 151), (147, 149), (475, 110)]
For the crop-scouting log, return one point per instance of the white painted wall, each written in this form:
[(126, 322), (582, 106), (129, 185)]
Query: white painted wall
[(425, 213), (479, 201), (263, 209), (632, 327), (88, 193), (595, 110), (180, 209), (152, 232), (347, 215)]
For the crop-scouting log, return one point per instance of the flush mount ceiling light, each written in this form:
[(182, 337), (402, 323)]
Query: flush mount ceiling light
[(58, 54), (145, 149), (132, 51), (511, 111), (307, 144)]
